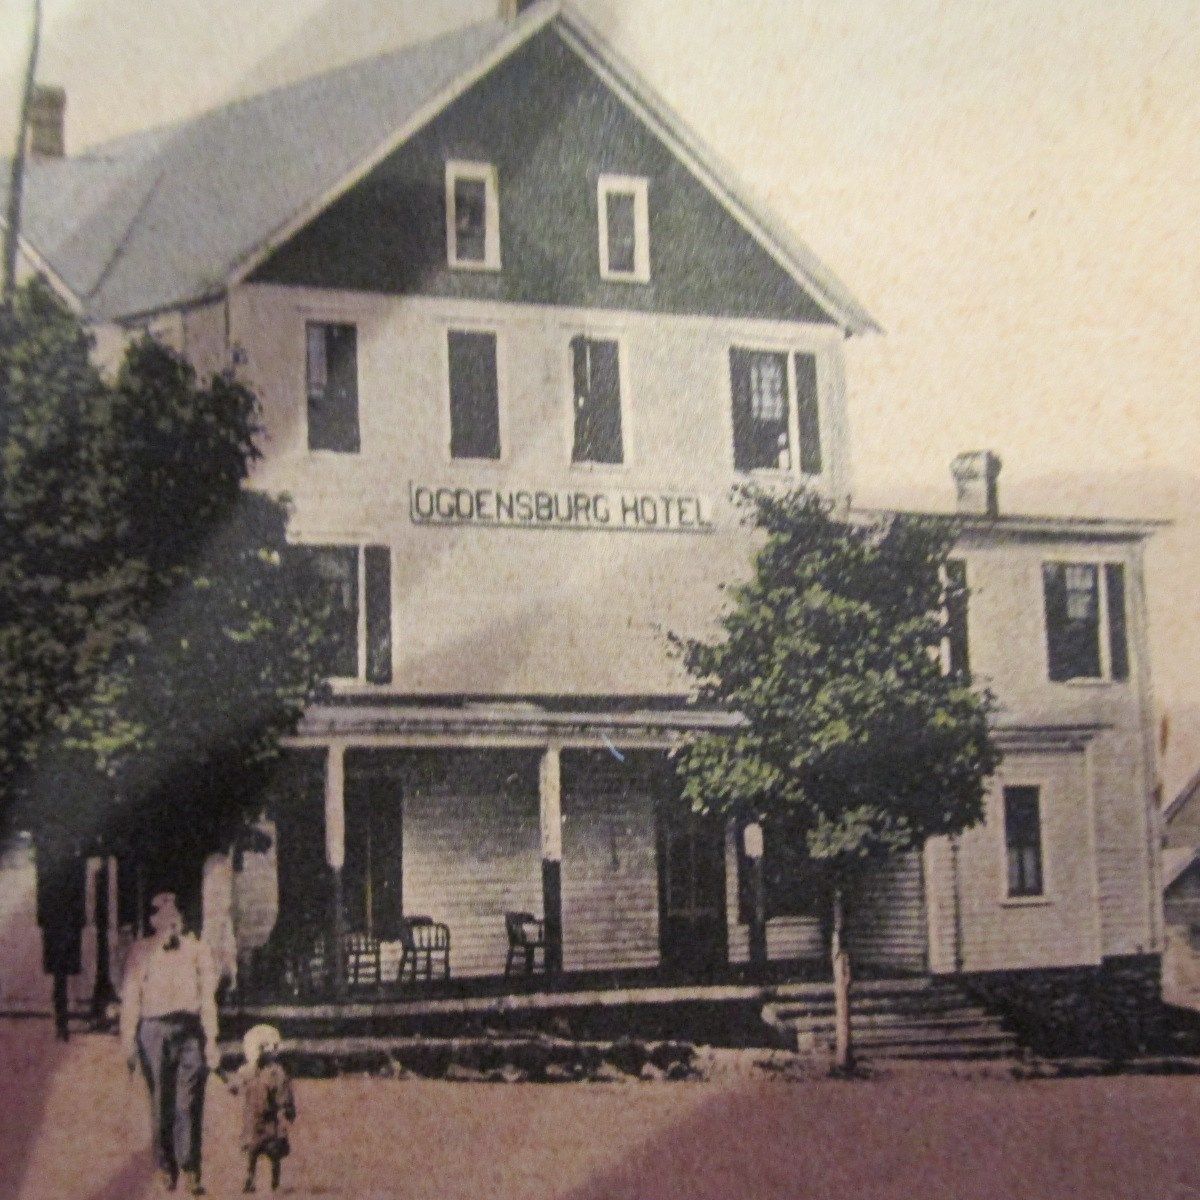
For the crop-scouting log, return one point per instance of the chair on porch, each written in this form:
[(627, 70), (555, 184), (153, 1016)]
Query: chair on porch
[(423, 940), (364, 960), (526, 936)]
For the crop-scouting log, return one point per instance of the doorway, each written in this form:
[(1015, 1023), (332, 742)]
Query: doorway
[(691, 892)]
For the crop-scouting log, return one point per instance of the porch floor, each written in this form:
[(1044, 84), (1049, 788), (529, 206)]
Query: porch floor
[(721, 1012)]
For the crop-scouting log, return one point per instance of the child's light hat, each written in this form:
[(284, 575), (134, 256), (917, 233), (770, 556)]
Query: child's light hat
[(258, 1039)]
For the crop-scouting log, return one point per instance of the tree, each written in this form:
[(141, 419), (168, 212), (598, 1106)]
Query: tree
[(156, 640), (854, 739)]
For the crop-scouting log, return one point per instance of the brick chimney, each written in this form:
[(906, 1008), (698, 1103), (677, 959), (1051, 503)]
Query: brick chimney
[(510, 10), (976, 479), (47, 113)]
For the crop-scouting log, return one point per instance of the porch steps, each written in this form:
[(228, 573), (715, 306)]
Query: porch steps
[(902, 1019)]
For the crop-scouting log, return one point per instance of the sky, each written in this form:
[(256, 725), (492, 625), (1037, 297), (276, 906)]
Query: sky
[(1012, 189)]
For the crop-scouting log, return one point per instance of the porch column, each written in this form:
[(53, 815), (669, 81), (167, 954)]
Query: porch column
[(550, 808), (752, 847), (335, 856)]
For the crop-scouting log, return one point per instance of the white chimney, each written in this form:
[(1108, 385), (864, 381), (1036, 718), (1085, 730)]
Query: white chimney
[(510, 10), (976, 479)]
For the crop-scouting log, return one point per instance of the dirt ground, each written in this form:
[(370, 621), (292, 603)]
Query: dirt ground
[(73, 1124)]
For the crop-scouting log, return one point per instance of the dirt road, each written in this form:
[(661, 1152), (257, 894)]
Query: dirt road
[(73, 1124)]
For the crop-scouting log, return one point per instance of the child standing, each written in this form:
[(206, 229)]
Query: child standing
[(268, 1106)]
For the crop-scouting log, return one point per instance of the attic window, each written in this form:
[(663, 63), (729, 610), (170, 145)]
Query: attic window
[(624, 210), (472, 216)]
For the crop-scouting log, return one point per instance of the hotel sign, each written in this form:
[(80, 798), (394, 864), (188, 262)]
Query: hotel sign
[(560, 508)]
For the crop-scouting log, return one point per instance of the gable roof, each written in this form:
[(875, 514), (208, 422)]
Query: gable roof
[(1176, 863), (1186, 795), (176, 215)]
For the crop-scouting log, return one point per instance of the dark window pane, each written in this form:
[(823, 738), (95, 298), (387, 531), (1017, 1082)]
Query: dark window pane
[(474, 396), (332, 385), (1118, 641), (956, 617), (1023, 839), (470, 220), (808, 414), (1072, 620), (760, 410), (597, 401), (332, 571), (377, 567), (622, 231)]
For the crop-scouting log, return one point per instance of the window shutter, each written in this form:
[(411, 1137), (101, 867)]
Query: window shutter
[(1118, 641), (378, 568), (743, 428), (808, 413), (956, 617), (606, 402), (474, 395), (1055, 587)]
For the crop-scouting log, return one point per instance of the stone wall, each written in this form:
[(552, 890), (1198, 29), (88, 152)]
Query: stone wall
[(1112, 1011)]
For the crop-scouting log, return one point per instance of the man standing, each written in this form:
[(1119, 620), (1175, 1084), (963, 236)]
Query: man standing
[(169, 1025)]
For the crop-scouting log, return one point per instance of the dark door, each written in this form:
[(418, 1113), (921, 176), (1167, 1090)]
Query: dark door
[(372, 879), (691, 892)]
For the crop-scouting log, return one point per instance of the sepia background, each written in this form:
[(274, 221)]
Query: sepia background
[(1013, 190)]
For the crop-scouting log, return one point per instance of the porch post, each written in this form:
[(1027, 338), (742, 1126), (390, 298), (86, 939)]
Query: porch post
[(335, 856), (550, 809), (752, 847)]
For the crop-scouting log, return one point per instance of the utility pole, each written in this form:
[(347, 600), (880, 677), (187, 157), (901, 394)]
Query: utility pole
[(12, 217)]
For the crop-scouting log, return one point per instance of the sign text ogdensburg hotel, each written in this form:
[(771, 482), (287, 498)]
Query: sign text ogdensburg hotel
[(560, 508)]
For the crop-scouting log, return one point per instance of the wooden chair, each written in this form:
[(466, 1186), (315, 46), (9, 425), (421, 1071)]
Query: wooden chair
[(526, 936), (364, 960), (423, 940)]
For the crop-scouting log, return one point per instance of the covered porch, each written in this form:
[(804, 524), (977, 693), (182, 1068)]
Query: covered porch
[(441, 822)]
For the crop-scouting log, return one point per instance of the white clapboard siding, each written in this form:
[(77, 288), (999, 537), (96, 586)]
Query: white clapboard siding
[(471, 854), (887, 923), (609, 877)]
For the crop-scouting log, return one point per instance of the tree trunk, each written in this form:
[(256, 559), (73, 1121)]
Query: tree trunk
[(12, 218), (843, 1045)]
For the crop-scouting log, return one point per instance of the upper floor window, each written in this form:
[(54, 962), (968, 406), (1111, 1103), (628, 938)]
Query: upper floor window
[(624, 210), (767, 427), (332, 385), (1086, 633), (357, 642), (472, 216), (1023, 841), (474, 395), (596, 365)]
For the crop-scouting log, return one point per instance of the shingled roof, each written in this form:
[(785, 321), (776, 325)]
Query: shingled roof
[(176, 214)]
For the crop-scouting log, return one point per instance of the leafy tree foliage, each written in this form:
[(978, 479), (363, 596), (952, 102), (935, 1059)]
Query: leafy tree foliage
[(856, 744), (156, 641), (853, 732)]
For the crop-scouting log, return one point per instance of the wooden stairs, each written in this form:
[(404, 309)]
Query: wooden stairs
[(893, 1019)]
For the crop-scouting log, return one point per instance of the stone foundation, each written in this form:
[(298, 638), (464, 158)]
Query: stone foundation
[(1113, 1010)]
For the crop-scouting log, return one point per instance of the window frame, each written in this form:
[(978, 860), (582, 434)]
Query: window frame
[(949, 667), (473, 172), (453, 325), (1103, 621), (596, 333), (320, 541), (639, 188), (789, 352), (1010, 898), (326, 319)]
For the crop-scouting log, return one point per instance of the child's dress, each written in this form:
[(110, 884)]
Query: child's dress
[(268, 1110)]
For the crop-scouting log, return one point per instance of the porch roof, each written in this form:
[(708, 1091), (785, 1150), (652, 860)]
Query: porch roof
[(514, 724)]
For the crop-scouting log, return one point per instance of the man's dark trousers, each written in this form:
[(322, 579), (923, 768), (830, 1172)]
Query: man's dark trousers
[(171, 1050)]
